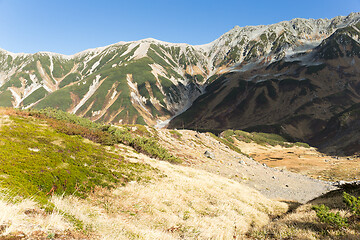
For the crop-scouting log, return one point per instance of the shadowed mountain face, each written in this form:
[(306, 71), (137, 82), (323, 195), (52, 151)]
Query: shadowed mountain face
[(305, 96)]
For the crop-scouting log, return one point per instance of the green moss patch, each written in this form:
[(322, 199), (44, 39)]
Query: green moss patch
[(260, 138), (140, 139), (37, 161)]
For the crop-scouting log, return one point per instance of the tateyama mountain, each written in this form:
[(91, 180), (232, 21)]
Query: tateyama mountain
[(299, 78)]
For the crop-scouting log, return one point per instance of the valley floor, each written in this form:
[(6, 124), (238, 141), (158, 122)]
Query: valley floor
[(276, 182), (306, 161)]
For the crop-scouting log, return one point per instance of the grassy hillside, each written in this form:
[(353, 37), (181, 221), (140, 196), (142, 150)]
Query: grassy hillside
[(40, 157), (62, 176)]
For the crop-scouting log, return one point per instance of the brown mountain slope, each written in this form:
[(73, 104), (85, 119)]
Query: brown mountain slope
[(295, 97)]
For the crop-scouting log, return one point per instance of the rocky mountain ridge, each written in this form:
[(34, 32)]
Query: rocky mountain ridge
[(295, 96), (147, 81)]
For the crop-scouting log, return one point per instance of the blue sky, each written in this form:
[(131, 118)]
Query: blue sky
[(70, 26)]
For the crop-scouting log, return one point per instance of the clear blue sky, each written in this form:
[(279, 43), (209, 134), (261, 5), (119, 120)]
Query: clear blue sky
[(70, 26)]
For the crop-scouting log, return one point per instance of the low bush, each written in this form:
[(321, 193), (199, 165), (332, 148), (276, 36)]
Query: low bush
[(353, 203), (259, 138), (135, 136), (330, 218), (334, 220)]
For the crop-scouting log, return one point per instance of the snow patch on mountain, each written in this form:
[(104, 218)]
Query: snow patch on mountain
[(141, 51), (93, 87), (136, 98), (129, 48), (16, 96), (113, 94)]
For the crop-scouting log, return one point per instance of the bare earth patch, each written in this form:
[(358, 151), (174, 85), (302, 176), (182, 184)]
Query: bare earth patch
[(306, 161), (272, 182)]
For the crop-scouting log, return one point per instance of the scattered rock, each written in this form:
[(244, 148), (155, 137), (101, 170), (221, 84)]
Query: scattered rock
[(34, 149), (273, 177), (3, 227), (242, 162), (264, 165), (16, 235), (345, 183), (209, 154)]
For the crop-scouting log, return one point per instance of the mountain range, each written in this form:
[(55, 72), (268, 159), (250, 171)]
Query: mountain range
[(299, 78)]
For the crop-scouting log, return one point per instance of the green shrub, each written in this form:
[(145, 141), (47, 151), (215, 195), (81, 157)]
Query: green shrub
[(352, 202), (176, 134), (330, 218), (335, 220), (260, 138), (229, 144), (140, 139)]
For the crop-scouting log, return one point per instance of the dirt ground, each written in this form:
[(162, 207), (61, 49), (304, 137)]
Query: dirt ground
[(275, 182), (306, 161)]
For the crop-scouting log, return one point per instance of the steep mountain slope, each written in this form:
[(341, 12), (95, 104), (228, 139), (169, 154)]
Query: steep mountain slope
[(296, 95), (148, 80), (124, 82)]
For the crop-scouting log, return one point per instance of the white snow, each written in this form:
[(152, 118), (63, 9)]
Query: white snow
[(141, 51), (5, 76), (16, 96), (93, 87), (161, 124), (30, 89), (114, 94), (157, 70), (135, 95), (47, 88), (51, 65), (139, 100), (132, 85), (130, 47), (95, 113), (15, 55), (95, 65), (32, 77)]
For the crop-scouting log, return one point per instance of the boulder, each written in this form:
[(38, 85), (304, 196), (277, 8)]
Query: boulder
[(209, 154)]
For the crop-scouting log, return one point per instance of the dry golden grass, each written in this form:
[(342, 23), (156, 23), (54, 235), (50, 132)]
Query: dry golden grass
[(187, 203), (26, 216), (303, 223)]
